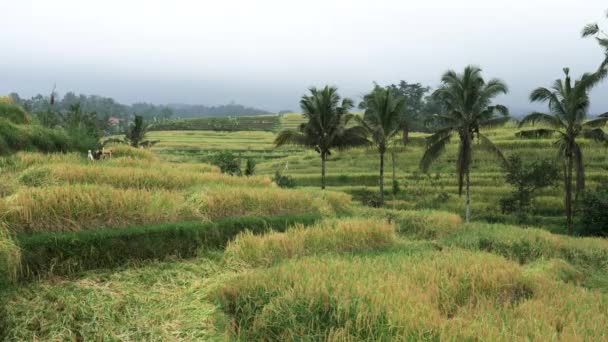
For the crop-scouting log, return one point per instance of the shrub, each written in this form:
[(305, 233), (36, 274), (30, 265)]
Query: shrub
[(13, 113), (233, 202), (594, 212), (284, 181), (348, 235), (10, 258), (227, 162), (65, 253), (250, 167), (449, 295), (526, 180), (76, 207)]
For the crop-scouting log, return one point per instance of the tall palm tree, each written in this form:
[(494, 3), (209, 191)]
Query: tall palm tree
[(327, 116), (382, 121), (467, 101), (568, 107)]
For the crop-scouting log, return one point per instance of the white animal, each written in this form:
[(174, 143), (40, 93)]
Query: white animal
[(90, 156)]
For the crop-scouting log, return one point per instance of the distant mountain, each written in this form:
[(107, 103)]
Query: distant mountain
[(189, 111)]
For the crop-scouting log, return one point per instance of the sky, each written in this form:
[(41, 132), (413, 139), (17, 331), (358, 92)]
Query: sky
[(266, 53)]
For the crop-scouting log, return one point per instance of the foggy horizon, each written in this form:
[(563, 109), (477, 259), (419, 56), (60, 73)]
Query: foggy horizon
[(266, 54)]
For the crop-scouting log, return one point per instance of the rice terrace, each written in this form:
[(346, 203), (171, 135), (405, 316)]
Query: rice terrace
[(405, 212)]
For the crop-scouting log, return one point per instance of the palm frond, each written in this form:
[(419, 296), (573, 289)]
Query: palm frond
[(590, 30), (494, 122), (535, 133), (537, 117), (596, 134), (351, 137), (433, 152), (290, 137), (596, 123), (487, 145)]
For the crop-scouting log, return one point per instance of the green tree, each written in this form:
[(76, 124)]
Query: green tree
[(136, 132), (382, 121), (326, 127), (467, 99), (526, 179), (568, 106)]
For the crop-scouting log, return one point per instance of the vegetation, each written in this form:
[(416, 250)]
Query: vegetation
[(228, 123), (158, 244), (594, 212), (568, 105), (526, 180), (228, 163), (382, 121), (467, 99), (326, 127), (352, 235)]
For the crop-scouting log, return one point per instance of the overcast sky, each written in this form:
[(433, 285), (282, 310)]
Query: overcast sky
[(265, 53)]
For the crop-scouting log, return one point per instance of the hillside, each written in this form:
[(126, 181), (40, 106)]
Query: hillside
[(138, 248), (355, 171)]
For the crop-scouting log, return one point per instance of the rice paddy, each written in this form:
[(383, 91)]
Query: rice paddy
[(158, 245)]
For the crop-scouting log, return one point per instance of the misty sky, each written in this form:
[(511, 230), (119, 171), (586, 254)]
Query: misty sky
[(265, 53)]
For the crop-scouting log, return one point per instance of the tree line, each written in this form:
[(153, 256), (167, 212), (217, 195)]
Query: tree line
[(463, 107)]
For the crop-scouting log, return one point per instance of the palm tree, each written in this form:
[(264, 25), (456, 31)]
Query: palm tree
[(137, 131), (382, 121), (568, 107), (327, 116), (467, 100)]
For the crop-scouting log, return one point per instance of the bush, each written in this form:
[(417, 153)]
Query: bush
[(284, 181), (250, 167), (227, 162), (350, 235), (526, 179), (13, 113), (10, 258), (594, 212), (65, 253), (31, 137), (368, 198)]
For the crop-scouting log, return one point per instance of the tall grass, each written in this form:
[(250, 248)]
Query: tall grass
[(349, 235), (76, 207), (10, 258), (421, 224), (132, 177), (526, 245), (449, 295), (231, 202)]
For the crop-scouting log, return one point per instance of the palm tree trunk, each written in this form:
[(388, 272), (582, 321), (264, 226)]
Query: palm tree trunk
[(322, 171), (381, 178), (568, 186), (467, 215), (394, 179), (406, 135)]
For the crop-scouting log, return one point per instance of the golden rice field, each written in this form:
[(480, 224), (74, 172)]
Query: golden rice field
[(356, 170), (411, 271)]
